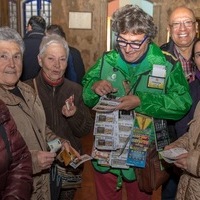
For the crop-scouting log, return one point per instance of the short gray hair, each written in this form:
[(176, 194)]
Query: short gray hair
[(132, 19), (11, 35), (53, 39)]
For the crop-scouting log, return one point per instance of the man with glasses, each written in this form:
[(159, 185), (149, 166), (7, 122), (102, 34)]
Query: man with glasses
[(183, 29), (141, 78)]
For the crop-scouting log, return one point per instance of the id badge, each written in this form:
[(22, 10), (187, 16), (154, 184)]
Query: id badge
[(156, 82)]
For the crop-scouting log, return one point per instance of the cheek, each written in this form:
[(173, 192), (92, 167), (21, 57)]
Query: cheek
[(197, 61)]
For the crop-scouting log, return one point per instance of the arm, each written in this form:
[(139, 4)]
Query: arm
[(81, 121), (19, 180), (93, 75)]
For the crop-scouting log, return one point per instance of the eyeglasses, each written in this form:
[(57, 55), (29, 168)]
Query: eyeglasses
[(187, 24), (133, 45)]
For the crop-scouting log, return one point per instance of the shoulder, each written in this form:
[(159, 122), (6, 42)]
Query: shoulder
[(26, 88), (171, 58)]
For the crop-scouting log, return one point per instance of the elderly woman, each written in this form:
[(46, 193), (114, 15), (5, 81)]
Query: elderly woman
[(27, 111), (142, 78), (62, 99)]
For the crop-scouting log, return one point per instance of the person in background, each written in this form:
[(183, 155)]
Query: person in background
[(182, 125), (62, 99), (134, 62), (189, 162), (75, 67), (15, 159), (27, 111), (35, 31), (182, 29)]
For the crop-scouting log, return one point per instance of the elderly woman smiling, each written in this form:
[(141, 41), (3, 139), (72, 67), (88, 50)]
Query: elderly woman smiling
[(62, 100), (27, 111)]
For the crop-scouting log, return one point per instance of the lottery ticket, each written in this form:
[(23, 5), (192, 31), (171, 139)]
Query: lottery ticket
[(171, 154), (54, 145), (76, 162)]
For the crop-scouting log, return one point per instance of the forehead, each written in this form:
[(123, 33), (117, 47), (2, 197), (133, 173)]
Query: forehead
[(54, 47), (181, 13), (9, 46), (197, 46)]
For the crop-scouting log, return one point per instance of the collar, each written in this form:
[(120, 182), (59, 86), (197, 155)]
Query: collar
[(50, 82)]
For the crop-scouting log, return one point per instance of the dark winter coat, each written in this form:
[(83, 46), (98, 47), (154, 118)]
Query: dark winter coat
[(15, 168), (53, 99), (31, 66)]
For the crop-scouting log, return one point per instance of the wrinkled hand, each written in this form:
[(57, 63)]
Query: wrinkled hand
[(181, 161), (69, 148), (45, 159), (69, 108), (128, 102), (103, 87)]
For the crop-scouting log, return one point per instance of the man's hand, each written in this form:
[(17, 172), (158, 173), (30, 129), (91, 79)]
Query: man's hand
[(103, 87), (128, 102)]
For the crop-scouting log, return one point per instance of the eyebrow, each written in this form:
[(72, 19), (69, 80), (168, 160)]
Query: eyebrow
[(131, 40)]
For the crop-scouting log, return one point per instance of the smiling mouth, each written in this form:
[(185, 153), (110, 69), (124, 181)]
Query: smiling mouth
[(10, 72)]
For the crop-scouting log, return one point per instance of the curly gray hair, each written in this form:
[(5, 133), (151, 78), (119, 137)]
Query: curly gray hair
[(132, 19)]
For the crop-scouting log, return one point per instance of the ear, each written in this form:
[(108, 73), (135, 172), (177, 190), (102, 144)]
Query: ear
[(39, 61), (197, 27)]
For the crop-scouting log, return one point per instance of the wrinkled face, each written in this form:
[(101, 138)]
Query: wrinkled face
[(182, 27), (10, 64), (132, 46), (197, 55), (54, 61)]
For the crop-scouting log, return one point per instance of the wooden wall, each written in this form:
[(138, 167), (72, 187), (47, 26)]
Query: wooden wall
[(162, 10), (92, 42)]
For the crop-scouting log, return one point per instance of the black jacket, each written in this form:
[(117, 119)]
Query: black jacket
[(31, 66)]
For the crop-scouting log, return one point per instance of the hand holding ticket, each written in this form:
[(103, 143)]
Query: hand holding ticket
[(171, 154), (70, 102), (69, 108)]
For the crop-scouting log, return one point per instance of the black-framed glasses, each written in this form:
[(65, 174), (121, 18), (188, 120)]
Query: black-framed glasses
[(187, 24), (133, 45)]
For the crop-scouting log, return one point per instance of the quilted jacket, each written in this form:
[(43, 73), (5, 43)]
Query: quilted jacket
[(15, 168)]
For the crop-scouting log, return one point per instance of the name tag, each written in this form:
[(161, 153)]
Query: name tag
[(156, 82)]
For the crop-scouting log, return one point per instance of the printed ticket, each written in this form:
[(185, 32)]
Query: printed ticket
[(171, 154), (54, 145), (76, 162)]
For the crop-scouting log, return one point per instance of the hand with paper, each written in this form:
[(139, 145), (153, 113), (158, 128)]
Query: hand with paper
[(173, 155)]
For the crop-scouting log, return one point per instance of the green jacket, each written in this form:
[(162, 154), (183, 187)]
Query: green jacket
[(171, 102)]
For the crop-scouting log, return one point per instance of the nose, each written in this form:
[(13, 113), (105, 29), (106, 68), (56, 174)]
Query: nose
[(57, 63), (128, 48), (182, 26), (11, 61)]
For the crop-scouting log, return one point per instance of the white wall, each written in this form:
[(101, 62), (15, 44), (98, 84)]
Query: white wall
[(145, 5)]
